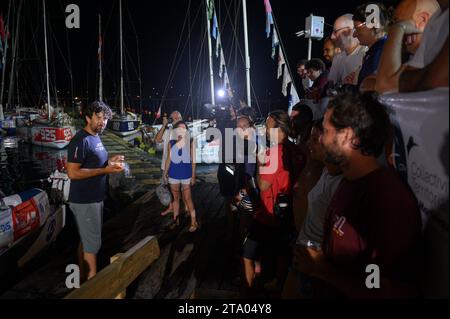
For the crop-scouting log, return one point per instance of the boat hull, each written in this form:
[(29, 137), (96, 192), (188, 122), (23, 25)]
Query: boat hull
[(123, 127), (9, 126), (47, 136)]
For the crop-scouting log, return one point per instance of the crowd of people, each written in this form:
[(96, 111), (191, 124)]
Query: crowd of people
[(318, 197)]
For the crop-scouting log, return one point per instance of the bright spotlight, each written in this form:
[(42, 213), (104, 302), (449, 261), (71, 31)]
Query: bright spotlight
[(221, 93)]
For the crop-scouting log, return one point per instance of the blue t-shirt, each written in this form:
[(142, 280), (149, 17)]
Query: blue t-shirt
[(87, 150), (180, 164), (371, 60)]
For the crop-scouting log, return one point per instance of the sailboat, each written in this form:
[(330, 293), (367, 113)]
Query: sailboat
[(53, 129), (123, 124), (7, 125)]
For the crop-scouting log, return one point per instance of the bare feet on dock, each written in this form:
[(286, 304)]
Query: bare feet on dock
[(167, 211)]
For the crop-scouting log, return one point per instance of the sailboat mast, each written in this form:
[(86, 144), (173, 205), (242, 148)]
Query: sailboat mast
[(247, 55), (121, 60), (13, 75), (100, 49), (46, 61), (5, 50), (211, 71)]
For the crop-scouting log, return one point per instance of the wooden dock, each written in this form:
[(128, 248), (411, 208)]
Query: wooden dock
[(200, 265)]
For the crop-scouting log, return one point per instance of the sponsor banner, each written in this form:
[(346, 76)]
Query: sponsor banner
[(48, 234), (421, 149), (25, 218), (6, 227)]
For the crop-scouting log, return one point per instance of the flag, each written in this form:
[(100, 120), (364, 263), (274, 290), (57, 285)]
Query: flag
[(275, 43), (100, 45), (269, 19), (222, 64), (218, 45), (2, 39), (2, 28), (293, 98), (1, 53), (210, 9), (158, 114), (215, 27), (281, 62), (286, 80)]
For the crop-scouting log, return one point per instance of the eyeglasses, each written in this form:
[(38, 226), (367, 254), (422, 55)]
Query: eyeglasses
[(360, 25), (340, 29)]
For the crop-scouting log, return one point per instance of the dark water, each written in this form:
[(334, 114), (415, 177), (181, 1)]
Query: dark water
[(25, 166)]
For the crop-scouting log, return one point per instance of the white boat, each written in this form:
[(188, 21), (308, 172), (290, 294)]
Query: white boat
[(54, 129), (124, 125), (28, 224), (56, 134)]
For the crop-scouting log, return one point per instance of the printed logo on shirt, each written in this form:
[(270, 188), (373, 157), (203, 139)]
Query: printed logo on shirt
[(338, 225), (76, 153), (99, 147)]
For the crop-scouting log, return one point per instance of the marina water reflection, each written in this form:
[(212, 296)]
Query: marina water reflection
[(24, 166)]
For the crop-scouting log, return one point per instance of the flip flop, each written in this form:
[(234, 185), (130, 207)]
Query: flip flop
[(193, 228)]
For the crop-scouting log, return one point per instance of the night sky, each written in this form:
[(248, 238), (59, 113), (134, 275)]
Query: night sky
[(157, 27)]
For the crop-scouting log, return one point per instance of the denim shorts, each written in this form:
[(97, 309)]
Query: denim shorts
[(89, 218), (173, 181)]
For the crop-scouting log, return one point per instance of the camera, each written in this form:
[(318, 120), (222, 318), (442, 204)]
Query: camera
[(282, 206)]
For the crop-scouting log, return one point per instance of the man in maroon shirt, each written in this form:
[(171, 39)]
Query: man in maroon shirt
[(373, 228)]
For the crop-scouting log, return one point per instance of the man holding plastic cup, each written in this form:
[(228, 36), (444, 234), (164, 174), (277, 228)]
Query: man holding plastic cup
[(87, 168)]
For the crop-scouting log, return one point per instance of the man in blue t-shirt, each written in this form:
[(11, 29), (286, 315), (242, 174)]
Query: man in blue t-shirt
[(87, 169)]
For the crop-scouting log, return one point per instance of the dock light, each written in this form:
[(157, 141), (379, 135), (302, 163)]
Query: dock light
[(221, 93)]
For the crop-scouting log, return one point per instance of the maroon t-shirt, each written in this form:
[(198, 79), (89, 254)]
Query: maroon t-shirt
[(374, 220)]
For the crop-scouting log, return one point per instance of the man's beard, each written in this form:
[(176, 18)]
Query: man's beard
[(334, 159), (333, 156), (98, 129), (344, 42)]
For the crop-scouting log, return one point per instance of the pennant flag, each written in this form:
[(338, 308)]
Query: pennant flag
[(2, 39), (286, 80), (215, 27), (218, 45), (158, 114), (210, 8), (2, 28), (293, 98), (100, 45), (269, 20), (275, 43), (227, 84), (281, 62), (222, 64)]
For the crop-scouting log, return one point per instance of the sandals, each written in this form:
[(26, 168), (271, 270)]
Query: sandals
[(194, 227)]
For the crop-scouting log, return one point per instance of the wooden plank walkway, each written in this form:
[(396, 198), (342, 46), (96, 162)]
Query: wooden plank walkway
[(205, 260)]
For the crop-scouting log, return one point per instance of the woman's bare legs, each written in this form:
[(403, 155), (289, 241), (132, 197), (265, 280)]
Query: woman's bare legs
[(187, 197), (176, 200)]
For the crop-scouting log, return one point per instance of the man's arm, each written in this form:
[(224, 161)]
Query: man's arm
[(352, 285), (432, 76), (391, 65), (160, 134), (75, 172)]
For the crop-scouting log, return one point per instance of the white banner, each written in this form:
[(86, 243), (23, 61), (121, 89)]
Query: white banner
[(421, 144)]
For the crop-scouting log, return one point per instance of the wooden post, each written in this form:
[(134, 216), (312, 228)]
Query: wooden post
[(123, 294), (114, 279)]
